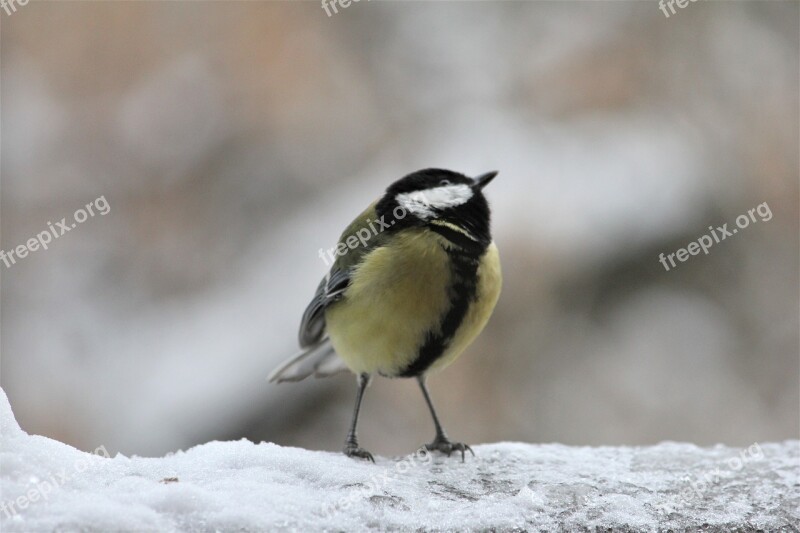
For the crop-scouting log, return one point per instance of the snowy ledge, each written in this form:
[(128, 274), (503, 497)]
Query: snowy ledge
[(241, 486)]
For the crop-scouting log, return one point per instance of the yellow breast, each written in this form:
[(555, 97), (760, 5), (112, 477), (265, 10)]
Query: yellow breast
[(396, 294)]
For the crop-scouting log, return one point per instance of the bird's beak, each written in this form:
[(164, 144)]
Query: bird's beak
[(483, 180)]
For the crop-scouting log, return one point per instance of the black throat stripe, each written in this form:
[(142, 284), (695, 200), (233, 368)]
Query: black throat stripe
[(459, 239), (462, 291)]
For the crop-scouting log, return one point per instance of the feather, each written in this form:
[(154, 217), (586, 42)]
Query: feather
[(319, 360)]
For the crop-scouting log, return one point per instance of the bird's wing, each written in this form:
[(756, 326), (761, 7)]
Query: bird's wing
[(330, 289), (318, 356)]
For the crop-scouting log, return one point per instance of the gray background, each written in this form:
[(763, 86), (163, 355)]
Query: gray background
[(234, 140)]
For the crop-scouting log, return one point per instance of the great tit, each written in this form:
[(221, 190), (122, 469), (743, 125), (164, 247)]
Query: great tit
[(415, 279)]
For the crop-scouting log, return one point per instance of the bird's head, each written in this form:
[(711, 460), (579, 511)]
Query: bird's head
[(437, 198)]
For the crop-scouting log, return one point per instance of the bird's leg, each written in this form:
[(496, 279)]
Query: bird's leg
[(351, 448), (441, 442)]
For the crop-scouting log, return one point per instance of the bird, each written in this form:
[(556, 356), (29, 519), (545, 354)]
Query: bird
[(414, 280)]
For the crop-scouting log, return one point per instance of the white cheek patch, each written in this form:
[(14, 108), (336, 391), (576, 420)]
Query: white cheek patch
[(424, 203)]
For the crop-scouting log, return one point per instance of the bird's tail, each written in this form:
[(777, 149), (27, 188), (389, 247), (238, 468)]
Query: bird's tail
[(320, 360)]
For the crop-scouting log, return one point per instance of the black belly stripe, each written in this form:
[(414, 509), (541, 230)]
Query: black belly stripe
[(462, 291)]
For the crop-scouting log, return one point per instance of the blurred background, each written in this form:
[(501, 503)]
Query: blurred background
[(233, 140)]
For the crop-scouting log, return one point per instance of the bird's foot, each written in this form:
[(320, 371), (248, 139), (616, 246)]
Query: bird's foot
[(352, 450), (444, 445)]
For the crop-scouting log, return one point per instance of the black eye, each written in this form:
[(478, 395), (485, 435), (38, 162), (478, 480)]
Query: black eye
[(444, 182)]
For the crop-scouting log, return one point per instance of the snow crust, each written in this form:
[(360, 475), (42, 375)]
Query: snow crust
[(242, 486)]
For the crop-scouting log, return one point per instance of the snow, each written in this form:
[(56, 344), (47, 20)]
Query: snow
[(242, 486)]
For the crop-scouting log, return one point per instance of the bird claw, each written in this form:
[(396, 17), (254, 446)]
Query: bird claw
[(355, 451), (445, 446)]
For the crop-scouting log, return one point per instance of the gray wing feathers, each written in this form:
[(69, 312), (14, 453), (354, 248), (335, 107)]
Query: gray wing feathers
[(317, 356), (329, 290), (320, 361), (312, 326)]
